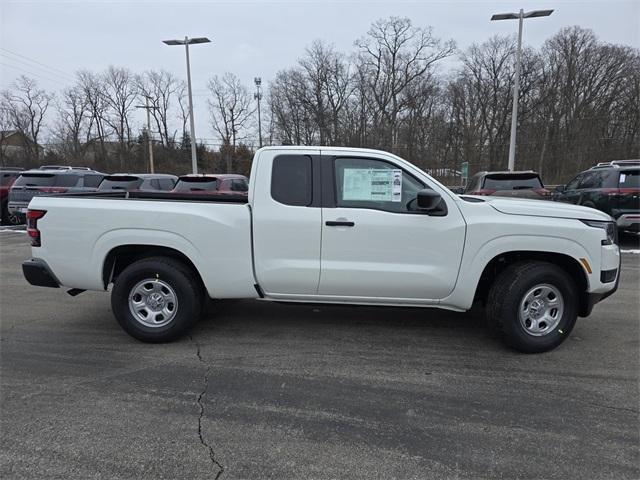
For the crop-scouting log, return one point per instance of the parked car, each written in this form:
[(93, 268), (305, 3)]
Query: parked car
[(224, 184), (526, 184), (138, 181), (37, 182), (8, 175), (329, 225), (611, 187)]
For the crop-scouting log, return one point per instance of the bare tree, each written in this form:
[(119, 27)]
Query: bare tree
[(162, 89), (72, 130), (231, 109), (120, 96), (25, 106), (392, 56), (92, 87)]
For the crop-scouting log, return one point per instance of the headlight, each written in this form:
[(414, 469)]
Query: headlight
[(609, 227)]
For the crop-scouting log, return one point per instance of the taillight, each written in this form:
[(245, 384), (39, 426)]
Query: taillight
[(543, 192), (52, 189), (32, 226), (483, 191)]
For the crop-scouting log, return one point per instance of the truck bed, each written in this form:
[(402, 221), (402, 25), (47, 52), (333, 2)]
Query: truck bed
[(213, 232)]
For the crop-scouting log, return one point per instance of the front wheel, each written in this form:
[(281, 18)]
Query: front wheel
[(533, 305), (156, 299)]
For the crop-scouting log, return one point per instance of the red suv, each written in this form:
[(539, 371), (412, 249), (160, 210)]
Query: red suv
[(8, 175)]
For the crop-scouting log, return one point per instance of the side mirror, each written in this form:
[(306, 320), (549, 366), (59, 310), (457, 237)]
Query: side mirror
[(428, 199), (561, 188)]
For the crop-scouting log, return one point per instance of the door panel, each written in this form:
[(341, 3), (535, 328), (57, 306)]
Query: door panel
[(387, 250), (286, 233)]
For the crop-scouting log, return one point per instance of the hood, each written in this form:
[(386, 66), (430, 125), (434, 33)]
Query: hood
[(543, 208)]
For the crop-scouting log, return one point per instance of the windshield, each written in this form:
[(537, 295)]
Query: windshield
[(511, 182), (120, 183)]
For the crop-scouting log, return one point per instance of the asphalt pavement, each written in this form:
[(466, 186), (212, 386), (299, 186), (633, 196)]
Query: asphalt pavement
[(270, 391)]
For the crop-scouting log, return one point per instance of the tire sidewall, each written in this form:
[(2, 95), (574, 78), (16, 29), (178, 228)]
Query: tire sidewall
[(188, 300), (516, 335)]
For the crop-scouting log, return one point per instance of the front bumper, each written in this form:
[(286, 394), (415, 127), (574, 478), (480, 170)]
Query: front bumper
[(38, 273), (591, 298)]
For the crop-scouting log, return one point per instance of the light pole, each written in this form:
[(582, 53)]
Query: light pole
[(258, 97), (186, 42), (148, 107), (520, 16)]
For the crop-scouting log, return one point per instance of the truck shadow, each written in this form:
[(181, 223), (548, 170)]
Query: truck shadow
[(360, 323)]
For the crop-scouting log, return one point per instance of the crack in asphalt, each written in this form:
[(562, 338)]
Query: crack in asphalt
[(212, 454)]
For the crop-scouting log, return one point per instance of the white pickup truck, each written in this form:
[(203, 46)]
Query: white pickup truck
[(329, 225)]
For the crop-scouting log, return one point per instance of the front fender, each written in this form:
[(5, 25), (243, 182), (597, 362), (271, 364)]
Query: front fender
[(474, 263)]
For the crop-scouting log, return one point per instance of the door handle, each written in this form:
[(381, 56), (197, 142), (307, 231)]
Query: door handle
[(339, 223)]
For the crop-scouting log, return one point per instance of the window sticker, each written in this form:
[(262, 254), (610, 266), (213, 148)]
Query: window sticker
[(623, 177), (372, 184)]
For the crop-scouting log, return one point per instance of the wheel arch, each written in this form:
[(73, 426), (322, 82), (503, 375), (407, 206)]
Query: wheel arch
[(118, 258), (569, 264)]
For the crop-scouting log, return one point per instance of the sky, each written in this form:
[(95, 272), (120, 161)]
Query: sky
[(51, 40)]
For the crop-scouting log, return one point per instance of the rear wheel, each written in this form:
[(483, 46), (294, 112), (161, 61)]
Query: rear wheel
[(533, 305), (156, 299)]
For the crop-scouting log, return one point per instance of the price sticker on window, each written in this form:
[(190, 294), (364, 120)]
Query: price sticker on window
[(372, 184)]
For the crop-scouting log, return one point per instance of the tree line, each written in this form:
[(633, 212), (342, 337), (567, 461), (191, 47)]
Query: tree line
[(401, 89)]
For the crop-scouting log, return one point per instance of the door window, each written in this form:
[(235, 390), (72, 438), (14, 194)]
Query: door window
[(573, 184), (374, 184), (593, 179)]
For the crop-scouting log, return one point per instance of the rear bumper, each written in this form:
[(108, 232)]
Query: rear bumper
[(629, 221), (18, 207), (38, 273)]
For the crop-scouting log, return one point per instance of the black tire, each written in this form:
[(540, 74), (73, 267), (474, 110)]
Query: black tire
[(510, 289), (173, 273)]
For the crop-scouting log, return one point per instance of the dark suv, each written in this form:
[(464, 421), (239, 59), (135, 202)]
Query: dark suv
[(31, 183), (8, 175), (612, 187)]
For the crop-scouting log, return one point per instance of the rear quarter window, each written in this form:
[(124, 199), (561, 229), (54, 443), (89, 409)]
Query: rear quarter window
[(92, 181), (291, 180), (629, 179)]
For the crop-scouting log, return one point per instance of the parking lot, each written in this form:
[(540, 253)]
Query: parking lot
[(265, 390)]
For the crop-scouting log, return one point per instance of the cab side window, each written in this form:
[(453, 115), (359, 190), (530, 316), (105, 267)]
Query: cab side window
[(374, 184), (291, 180)]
